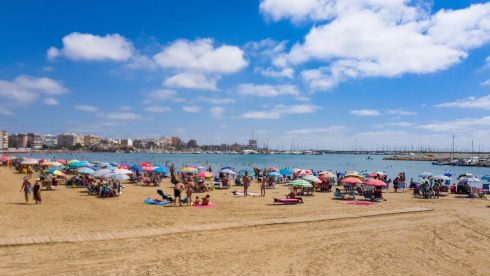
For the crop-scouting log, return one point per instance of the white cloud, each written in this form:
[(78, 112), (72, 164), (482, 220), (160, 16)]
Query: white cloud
[(460, 125), (485, 83), (201, 55), (26, 89), (78, 46), (191, 109), (47, 69), (267, 90), (87, 108), (50, 101), (217, 111), (157, 109), (365, 112), (273, 73), (217, 101), (401, 112), (5, 111), (192, 81), (399, 124), (378, 38), (121, 116), (470, 102), (141, 62), (277, 111)]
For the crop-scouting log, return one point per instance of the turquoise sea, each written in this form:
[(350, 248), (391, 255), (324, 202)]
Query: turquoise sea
[(332, 162)]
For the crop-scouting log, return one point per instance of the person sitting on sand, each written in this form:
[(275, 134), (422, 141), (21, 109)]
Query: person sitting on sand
[(377, 193), (205, 200), (197, 202), (292, 195)]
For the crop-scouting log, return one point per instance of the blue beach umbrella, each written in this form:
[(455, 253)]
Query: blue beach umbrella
[(227, 168), (274, 174), (448, 174), (136, 168), (85, 170), (285, 171), (486, 177), (160, 170), (76, 165)]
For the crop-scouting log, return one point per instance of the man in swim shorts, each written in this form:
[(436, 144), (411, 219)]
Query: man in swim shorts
[(178, 188)]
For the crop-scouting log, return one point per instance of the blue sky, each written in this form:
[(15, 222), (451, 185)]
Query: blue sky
[(319, 73)]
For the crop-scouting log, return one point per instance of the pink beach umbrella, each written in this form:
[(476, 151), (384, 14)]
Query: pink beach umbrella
[(304, 172), (374, 182), (351, 180)]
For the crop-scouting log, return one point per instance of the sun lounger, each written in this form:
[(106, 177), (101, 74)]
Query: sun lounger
[(165, 196)]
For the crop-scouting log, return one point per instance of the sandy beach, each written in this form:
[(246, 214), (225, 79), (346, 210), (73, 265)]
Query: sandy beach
[(235, 237)]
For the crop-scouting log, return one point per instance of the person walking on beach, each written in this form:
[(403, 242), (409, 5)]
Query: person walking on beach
[(178, 188), (262, 186), (36, 191), (246, 183), (189, 192), (27, 187)]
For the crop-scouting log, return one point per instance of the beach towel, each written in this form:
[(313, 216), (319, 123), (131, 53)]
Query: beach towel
[(286, 200), (151, 201), (362, 203), (236, 193), (210, 205)]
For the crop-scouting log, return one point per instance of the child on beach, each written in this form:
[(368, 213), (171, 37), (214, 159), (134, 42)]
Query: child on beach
[(189, 192), (27, 187), (197, 201), (205, 201)]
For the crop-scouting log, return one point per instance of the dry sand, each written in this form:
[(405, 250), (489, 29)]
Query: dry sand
[(452, 239)]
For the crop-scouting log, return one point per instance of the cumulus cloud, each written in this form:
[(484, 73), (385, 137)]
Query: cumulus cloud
[(485, 83), (216, 100), (157, 109), (401, 112), (277, 111), (87, 108), (201, 55), (121, 116), (192, 109), (275, 73), (460, 125), (365, 112), (162, 94), (378, 38), (24, 89), (217, 111), (267, 90), (192, 81), (470, 102), (78, 46)]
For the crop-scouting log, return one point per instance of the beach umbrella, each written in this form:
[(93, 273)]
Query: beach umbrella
[(122, 167), (4, 158), (190, 170), (123, 171), (303, 172), (442, 177), (425, 174), (227, 168), (101, 172), (374, 174), (136, 168), (300, 183), (285, 171), (351, 175), (200, 168), (374, 182), (85, 170), (145, 164), (29, 162), (486, 177), (272, 169), (149, 168), (117, 176), (250, 172), (192, 166), (448, 174), (160, 170), (311, 178), (227, 171), (72, 161), (326, 174), (59, 173), (274, 174), (351, 180), (469, 175), (76, 165)]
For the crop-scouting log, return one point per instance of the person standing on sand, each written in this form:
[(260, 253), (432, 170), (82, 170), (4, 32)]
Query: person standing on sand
[(246, 183), (178, 188), (27, 187), (36, 191), (262, 186)]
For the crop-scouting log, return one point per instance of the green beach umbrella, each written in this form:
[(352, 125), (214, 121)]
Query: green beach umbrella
[(300, 183)]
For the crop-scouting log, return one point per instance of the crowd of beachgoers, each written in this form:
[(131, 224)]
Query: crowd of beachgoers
[(105, 180)]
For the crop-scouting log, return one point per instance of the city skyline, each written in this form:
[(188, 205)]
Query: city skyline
[(411, 75)]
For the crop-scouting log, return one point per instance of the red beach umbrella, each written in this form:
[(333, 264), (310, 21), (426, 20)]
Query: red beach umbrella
[(374, 182), (350, 180)]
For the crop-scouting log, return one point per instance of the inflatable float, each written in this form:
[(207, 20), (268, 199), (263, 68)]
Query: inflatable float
[(286, 201)]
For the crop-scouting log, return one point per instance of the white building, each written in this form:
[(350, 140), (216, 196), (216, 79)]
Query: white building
[(4, 140)]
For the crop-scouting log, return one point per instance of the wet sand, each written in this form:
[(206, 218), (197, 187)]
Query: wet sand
[(452, 239)]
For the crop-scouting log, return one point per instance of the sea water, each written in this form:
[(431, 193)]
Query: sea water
[(331, 162)]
